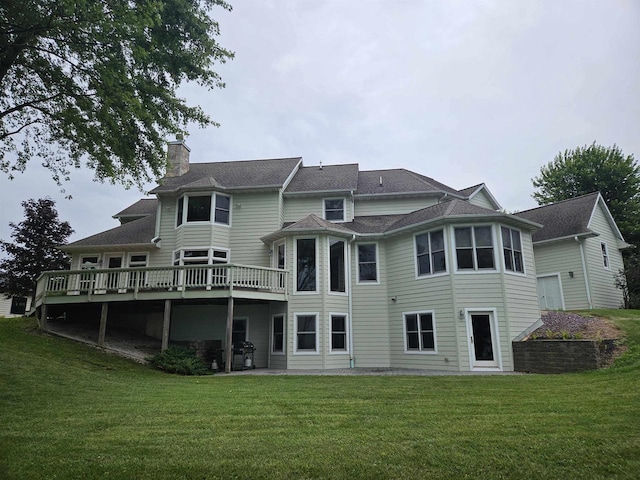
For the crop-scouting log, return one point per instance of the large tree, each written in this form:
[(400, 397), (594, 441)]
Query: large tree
[(95, 81), (34, 249), (595, 168)]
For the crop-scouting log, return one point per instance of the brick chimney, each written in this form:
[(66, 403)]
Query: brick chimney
[(177, 157)]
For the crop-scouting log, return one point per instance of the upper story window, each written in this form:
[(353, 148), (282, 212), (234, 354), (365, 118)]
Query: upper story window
[(512, 248), (430, 257), (367, 263), (306, 273), (337, 276), (605, 255), (197, 208), (205, 256), (89, 262), (138, 260), (334, 209), (474, 248)]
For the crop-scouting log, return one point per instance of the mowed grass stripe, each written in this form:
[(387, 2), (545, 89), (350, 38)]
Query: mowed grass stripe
[(71, 411)]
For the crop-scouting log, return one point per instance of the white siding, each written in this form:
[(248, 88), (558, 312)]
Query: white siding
[(254, 215), (296, 208), (481, 199), (564, 257), (390, 206), (5, 306), (604, 294), (370, 315), (415, 295)]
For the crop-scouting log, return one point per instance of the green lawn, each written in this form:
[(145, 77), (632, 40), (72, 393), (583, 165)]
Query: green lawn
[(70, 411)]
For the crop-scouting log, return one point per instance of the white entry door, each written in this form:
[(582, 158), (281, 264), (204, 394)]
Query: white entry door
[(484, 346), (550, 293)]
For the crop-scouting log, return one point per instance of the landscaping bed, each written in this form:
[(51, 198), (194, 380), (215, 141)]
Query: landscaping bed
[(568, 342)]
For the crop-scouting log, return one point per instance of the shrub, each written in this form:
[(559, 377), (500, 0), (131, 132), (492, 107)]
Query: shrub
[(180, 360)]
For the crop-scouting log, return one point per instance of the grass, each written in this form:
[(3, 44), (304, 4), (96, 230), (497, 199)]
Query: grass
[(69, 411)]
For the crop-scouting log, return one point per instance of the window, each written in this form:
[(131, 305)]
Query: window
[(430, 256), (239, 332), (277, 334), (419, 332), (18, 305), (339, 341), (337, 265), (197, 208), (137, 278), (512, 248), (223, 205), (89, 262), (199, 277), (334, 209), (367, 262), (204, 256), (306, 265), (306, 333), (474, 248), (605, 255)]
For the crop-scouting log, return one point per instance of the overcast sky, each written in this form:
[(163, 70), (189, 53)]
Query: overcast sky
[(461, 91)]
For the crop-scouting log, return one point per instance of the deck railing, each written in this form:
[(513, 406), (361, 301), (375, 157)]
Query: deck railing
[(147, 279)]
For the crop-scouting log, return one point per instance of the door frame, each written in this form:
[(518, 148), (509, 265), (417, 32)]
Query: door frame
[(559, 277), (479, 365)]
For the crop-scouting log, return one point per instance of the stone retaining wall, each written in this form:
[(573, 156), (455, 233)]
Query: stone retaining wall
[(560, 356)]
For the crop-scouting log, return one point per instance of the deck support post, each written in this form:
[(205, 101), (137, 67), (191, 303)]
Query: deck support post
[(103, 324), (166, 324), (229, 351), (43, 316)]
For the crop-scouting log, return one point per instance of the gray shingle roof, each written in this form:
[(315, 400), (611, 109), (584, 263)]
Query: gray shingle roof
[(399, 180), (382, 224), (143, 207), (563, 219), (137, 232), (469, 190), (337, 178), (269, 173)]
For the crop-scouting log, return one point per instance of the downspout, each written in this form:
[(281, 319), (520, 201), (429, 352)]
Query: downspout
[(353, 206), (585, 272), (352, 360)]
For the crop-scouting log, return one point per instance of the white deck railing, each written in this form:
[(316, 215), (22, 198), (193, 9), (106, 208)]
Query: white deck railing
[(147, 279)]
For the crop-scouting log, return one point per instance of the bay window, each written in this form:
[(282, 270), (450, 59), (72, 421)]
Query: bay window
[(512, 250), (430, 256), (474, 248), (306, 274), (198, 208)]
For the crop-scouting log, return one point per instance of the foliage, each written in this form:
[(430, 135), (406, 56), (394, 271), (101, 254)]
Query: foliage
[(72, 411), (180, 360), (35, 247), (96, 82), (595, 168), (628, 280)]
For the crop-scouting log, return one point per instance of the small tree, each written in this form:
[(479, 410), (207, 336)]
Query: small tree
[(34, 249), (595, 168)]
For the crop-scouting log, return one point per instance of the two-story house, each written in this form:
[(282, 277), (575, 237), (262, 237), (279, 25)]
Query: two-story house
[(318, 266)]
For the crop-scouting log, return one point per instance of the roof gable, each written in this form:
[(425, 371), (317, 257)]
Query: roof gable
[(563, 219)]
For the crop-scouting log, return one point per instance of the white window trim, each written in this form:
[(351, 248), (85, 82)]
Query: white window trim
[(212, 212), (131, 254), (284, 334), (344, 209), (495, 337), (347, 270), (274, 253), (295, 266), (295, 333), (368, 282), (347, 333), (446, 257), (124, 259), (476, 271), (605, 253), (210, 249), (97, 265), (502, 262), (435, 335)]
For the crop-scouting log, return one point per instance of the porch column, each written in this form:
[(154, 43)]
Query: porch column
[(43, 316), (103, 324), (229, 351), (166, 324)]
